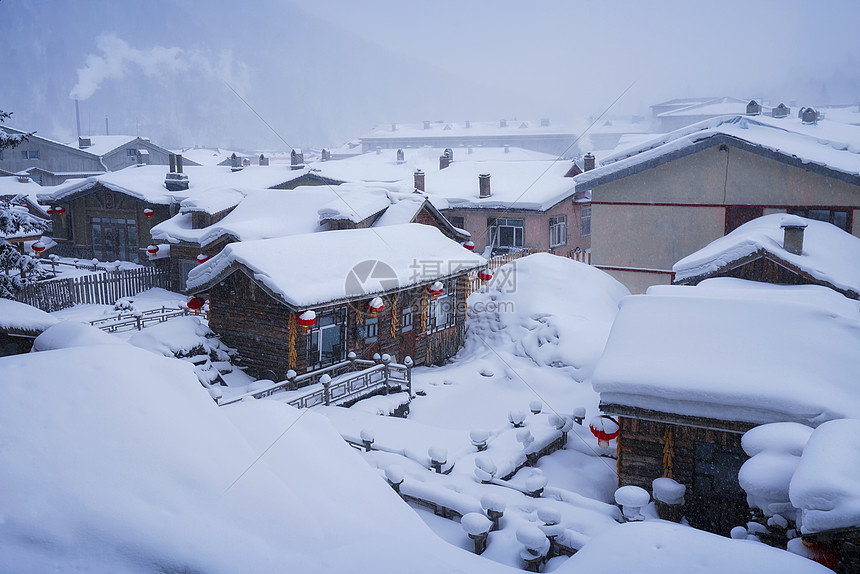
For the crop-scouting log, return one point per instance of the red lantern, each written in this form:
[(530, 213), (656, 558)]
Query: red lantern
[(50, 211), (307, 320), (38, 247), (152, 250), (60, 210), (148, 213), (436, 289), (485, 275), (605, 428), (201, 258), (470, 245), (375, 306), (196, 303)]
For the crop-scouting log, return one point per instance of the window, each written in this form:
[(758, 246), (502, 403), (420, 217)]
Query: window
[(406, 320), (131, 152), (838, 217), (371, 330), (737, 215), (585, 221), (457, 221), (114, 238), (29, 154), (557, 230), (441, 313), (325, 345), (505, 233)]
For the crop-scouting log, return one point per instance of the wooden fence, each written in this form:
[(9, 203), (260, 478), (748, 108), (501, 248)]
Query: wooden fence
[(493, 264), (99, 288)]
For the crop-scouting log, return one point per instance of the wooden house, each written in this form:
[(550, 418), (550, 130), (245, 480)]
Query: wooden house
[(20, 324), (369, 290), (688, 370), (780, 249)]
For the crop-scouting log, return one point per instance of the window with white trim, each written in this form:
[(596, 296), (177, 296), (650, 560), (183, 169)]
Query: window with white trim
[(557, 230), (505, 233)]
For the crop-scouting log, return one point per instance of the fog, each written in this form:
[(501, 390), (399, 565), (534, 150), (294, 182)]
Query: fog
[(273, 74)]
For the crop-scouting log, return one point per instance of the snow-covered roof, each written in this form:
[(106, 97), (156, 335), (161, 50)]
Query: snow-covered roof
[(382, 165), (21, 319), (830, 255), (319, 268), (437, 129), (833, 145), (534, 185), (711, 107), (101, 145), (147, 182), (730, 349), (269, 213), (209, 156)]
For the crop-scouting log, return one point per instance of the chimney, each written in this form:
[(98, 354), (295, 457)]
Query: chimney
[(793, 226), (172, 159), (484, 185), (176, 180), (507, 148), (588, 162), (84, 143), (753, 108), (426, 125), (78, 118), (544, 122), (264, 160), (444, 161), (780, 111), (400, 156), (297, 159), (468, 124), (325, 155), (235, 163), (107, 127), (503, 123), (419, 180), (179, 163), (394, 127)]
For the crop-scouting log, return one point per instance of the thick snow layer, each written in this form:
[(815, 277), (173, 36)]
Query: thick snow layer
[(129, 466), (313, 269), (826, 485), (19, 318), (665, 548), (826, 248), (555, 311), (65, 334), (766, 360)]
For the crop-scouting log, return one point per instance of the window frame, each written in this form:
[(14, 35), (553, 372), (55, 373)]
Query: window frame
[(558, 230), (585, 221)]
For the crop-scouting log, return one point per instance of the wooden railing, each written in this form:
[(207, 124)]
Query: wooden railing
[(345, 381), (473, 283), (138, 319)]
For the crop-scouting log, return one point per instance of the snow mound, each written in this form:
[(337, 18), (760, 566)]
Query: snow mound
[(512, 314)]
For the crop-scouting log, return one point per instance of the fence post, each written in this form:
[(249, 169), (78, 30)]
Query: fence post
[(386, 360), (408, 362), (326, 382)]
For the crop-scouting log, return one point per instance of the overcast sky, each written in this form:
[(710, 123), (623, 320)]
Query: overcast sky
[(324, 71)]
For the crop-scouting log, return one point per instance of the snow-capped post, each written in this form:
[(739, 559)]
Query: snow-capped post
[(438, 457), (477, 526), (394, 476), (326, 383), (495, 509), (516, 418), (605, 428), (352, 357), (535, 546), (409, 363), (668, 498), (579, 415), (479, 439), (551, 527), (525, 437), (631, 499), (291, 377), (535, 484), (367, 439), (386, 361), (138, 319), (535, 407), (377, 358), (485, 468)]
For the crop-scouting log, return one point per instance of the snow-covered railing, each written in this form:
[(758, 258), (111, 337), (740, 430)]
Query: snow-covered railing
[(320, 388), (138, 319)]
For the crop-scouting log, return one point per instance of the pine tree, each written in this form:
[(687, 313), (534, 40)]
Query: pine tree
[(15, 221)]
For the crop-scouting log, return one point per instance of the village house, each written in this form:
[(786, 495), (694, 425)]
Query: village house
[(513, 205), (687, 370), (51, 163), (109, 216), (210, 220), (657, 202), (20, 324), (398, 290)]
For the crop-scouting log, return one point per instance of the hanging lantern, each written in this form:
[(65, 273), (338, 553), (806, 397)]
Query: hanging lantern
[(50, 211), (605, 428), (470, 245), (436, 289), (60, 210), (152, 250), (484, 275), (307, 320), (148, 213), (196, 303), (38, 247), (375, 306), (201, 258)]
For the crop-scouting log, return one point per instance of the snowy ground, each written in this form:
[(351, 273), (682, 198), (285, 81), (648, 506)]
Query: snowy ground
[(147, 474)]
